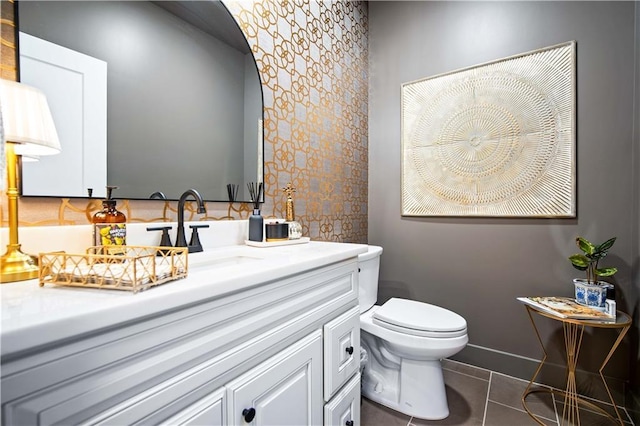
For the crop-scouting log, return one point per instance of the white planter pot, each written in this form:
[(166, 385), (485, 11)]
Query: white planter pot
[(593, 295)]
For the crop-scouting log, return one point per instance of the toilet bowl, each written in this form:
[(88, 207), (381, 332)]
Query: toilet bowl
[(405, 341)]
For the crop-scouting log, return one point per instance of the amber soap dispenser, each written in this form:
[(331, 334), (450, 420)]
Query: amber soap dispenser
[(109, 223)]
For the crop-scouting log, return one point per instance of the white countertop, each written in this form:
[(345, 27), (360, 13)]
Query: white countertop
[(33, 315)]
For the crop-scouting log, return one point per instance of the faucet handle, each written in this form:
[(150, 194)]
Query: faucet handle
[(165, 241), (194, 245)]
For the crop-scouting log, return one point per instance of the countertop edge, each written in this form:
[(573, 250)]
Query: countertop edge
[(19, 337)]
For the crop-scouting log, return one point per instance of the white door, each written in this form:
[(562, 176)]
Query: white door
[(76, 88), (284, 390)]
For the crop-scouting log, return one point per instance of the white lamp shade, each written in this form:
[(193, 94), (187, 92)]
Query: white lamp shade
[(27, 119), (29, 158)]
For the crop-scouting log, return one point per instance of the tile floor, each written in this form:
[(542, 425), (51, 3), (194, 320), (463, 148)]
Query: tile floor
[(485, 398)]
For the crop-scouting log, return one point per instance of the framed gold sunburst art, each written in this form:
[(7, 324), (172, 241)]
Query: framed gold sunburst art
[(496, 139)]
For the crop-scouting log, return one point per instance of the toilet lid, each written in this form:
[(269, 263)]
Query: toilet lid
[(420, 319)]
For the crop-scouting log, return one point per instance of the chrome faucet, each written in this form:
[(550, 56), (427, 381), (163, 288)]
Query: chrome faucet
[(181, 241)]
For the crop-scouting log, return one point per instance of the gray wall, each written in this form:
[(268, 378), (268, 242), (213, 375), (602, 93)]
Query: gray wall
[(478, 266), (159, 123), (635, 402)]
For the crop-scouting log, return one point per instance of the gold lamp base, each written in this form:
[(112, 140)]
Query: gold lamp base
[(17, 266)]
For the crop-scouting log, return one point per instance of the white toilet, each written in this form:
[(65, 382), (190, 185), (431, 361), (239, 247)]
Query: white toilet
[(404, 342)]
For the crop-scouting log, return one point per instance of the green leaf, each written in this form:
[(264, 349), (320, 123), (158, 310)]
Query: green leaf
[(585, 245), (606, 245), (580, 261), (606, 272)]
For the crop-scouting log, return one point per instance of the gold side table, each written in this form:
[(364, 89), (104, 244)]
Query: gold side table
[(573, 331)]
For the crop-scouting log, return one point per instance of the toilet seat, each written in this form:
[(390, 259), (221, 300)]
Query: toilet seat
[(419, 319)]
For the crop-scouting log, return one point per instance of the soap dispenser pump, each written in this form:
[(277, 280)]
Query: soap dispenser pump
[(109, 223)]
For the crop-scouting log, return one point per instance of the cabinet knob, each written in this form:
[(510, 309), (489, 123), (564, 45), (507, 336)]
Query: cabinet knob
[(350, 350), (248, 414), (349, 423)]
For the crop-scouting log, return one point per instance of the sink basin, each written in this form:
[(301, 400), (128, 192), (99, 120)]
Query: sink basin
[(220, 259)]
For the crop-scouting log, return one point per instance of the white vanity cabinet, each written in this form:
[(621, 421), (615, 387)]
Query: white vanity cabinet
[(209, 411), (285, 390), (285, 351)]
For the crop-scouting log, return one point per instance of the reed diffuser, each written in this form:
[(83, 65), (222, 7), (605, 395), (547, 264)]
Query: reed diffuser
[(232, 192), (256, 222)]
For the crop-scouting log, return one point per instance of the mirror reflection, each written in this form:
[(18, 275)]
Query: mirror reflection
[(163, 95)]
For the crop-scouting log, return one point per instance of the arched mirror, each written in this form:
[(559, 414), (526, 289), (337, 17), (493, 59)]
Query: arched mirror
[(151, 97)]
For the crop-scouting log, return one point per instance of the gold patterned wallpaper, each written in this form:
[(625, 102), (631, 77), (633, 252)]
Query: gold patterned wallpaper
[(312, 58), (7, 40)]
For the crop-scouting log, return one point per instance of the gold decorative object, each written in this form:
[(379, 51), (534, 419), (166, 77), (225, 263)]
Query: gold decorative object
[(295, 228), (496, 139), (289, 213), (134, 268)]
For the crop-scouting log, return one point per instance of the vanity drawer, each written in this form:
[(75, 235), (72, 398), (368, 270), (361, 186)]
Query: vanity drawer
[(341, 350), (344, 408), (210, 410)]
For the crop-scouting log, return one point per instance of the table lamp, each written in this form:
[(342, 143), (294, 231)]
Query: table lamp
[(27, 129)]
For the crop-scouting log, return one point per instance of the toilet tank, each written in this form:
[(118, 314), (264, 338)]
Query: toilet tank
[(369, 266)]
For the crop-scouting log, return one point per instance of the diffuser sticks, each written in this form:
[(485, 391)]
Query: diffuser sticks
[(255, 192), (232, 191)]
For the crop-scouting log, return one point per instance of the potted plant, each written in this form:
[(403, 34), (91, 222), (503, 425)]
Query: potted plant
[(591, 291)]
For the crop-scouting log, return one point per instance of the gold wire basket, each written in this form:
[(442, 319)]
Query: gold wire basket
[(132, 268)]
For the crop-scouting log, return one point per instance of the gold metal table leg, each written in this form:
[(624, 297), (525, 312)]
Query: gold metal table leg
[(572, 341), (604, 363), (528, 390), (573, 333)]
